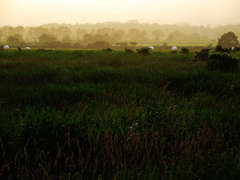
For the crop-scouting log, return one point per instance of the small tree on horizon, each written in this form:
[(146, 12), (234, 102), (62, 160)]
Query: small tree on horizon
[(133, 43), (157, 34)]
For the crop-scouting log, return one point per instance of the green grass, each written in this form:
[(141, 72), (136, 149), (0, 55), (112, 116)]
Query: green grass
[(85, 114)]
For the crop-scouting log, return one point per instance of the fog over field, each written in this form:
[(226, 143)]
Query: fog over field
[(193, 12)]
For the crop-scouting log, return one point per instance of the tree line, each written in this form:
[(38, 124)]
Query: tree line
[(107, 34)]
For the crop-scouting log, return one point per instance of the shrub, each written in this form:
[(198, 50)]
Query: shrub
[(223, 61), (144, 50), (107, 50), (174, 51), (236, 49), (127, 50), (185, 51), (99, 44), (219, 48), (42, 50), (165, 45), (202, 55)]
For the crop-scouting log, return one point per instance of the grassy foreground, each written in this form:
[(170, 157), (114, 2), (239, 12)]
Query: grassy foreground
[(113, 115)]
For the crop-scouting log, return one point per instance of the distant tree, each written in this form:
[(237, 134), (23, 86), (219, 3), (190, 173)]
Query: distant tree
[(19, 30), (105, 30), (63, 31), (81, 32), (99, 44), (136, 34), (66, 40), (35, 32), (47, 38), (7, 31), (1, 34), (93, 31), (15, 40), (52, 30), (228, 40), (30, 35), (174, 36), (133, 43), (100, 37), (164, 44), (88, 39), (195, 37), (157, 34), (213, 40), (133, 21), (119, 35), (209, 46)]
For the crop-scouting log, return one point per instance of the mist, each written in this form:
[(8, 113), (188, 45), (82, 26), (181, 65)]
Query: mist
[(193, 12)]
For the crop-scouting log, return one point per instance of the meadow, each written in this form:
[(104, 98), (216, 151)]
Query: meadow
[(93, 114)]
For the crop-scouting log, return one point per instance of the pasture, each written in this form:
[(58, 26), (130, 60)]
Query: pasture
[(92, 114)]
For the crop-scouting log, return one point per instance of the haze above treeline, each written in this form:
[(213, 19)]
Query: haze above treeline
[(193, 12), (115, 32)]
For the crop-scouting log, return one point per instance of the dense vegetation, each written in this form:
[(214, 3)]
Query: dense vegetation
[(117, 115), (119, 35)]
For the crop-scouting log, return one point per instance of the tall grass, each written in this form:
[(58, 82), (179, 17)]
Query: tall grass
[(113, 115)]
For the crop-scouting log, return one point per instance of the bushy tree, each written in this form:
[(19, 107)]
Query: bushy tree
[(47, 38), (81, 32), (157, 34), (185, 51), (144, 51), (127, 50), (107, 50), (15, 40), (99, 44), (174, 36), (228, 40), (165, 45), (223, 61), (133, 43), (219, 48), (63, 31), (236, 49), (66, 40), (202, 55)]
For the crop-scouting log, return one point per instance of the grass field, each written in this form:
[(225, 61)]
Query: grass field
[(83, 114)]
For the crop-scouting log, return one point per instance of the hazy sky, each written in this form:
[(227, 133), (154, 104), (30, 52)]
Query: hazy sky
[(193, 12)]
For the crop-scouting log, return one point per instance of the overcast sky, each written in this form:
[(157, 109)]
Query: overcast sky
[(193, 12)]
